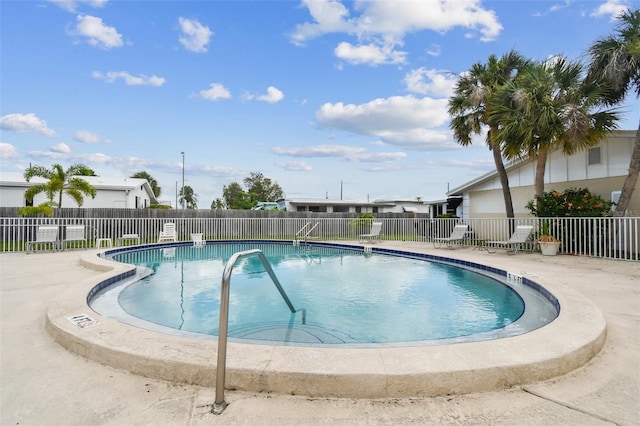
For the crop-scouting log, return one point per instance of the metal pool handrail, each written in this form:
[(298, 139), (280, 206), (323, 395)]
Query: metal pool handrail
[(219, 405)]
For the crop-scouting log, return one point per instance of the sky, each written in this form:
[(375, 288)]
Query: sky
[(327, 98)]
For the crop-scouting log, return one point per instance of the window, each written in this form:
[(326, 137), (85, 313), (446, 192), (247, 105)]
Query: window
[(594, 156)]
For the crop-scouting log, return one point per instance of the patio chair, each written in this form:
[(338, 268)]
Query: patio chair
[(511, 246), (457, 236), (44, 235), (168, 233), (374, 233), (197, 240)]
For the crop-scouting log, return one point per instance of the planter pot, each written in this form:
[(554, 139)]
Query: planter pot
[(549, 248)]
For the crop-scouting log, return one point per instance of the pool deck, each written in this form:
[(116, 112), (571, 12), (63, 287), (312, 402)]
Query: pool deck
[(43, 383)]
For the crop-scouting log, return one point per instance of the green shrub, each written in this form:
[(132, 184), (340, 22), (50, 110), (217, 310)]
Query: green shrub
[(572, 202), (43, 209)]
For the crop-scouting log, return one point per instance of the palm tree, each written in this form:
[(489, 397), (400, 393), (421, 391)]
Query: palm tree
[(152, 182), (616, 59), (59, 182), (217, 204), (549, 106), (469, 107), (189, 197)]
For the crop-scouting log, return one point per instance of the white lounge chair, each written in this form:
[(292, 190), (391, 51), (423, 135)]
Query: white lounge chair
[(197, 240), (44, 235), (511, 246), (168, 233), (458, 234), (74, 233), (374, 233), (135, 238)]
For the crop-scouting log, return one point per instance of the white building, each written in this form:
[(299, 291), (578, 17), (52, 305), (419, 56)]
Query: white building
[(127, 193), (602, 168), (322, 205)]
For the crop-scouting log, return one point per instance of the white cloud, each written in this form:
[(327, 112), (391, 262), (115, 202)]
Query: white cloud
[(429, 81), (216, 91), (380, 26), (8, 151), (195, 36), (72, 5), (319, 151), (433, 50), (378, 157), (25, 123), (61, 148), (613, 8), (273, 95), (97, 33), (330, 16), (129, 80), (399, 120), (369, 54), (85, 136), (295, 166)]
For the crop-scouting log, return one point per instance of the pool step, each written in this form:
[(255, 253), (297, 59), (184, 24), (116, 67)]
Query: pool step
[(293, 333)]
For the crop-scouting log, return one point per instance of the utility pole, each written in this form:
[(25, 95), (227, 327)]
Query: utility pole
[(182, 203)]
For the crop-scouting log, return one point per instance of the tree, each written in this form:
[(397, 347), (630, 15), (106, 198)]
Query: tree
[(188, 197), (217, 204), (616, 59), (152, 182), (469, 107), (236, 198), (59, 182), (548, 106), (261, 188)]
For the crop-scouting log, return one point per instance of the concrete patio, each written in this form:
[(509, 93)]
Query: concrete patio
[(44, 384)]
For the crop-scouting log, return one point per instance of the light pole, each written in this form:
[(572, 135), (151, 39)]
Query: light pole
[(182, 203)]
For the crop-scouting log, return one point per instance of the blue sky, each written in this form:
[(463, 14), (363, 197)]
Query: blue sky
[(326, 98)]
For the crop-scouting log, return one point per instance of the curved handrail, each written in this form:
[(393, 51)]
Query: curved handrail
[(219, 405)]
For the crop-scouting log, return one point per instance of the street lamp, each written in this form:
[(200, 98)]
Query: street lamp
[(182, 203)]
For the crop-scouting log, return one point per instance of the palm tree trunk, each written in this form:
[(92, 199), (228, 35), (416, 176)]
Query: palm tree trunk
[(504, 181), (541, 165), (630, 182)]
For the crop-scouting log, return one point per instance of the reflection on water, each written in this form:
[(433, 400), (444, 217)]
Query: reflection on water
[(366, 297)]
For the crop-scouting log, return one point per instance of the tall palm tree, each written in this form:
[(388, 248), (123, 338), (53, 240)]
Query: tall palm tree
[(469, 107), (152, 182), (549, 106), (60, 181), (188, 197), (616, 59)]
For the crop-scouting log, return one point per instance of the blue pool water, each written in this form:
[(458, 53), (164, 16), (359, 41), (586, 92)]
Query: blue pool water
[(350, 296)]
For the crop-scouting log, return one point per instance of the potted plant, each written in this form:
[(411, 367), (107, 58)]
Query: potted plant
[(549, 244)]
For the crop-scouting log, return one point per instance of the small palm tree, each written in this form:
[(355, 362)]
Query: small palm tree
[(188, 197), (152, 182), (217, 204), (59, 182), (469, 107), (616, 59), (549, 106)]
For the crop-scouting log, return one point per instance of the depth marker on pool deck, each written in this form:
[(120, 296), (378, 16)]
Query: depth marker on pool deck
[(82, 320)]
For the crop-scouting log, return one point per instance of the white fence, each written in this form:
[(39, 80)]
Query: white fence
[(607, 237)]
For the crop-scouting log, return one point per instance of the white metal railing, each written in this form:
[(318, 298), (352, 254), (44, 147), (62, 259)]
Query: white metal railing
[(606, 237)]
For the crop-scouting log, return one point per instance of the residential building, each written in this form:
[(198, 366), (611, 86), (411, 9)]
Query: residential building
[(129, 193), (601, 168)]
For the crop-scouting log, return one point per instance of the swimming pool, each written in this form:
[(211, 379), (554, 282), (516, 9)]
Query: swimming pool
[(351, 297)]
